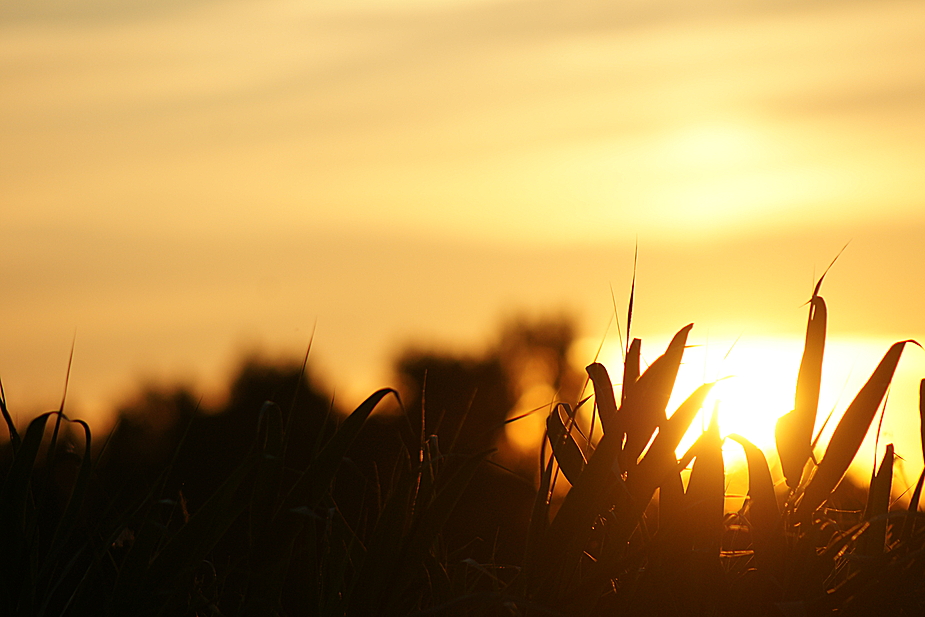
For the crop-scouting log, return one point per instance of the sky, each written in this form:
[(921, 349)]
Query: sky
[(181, 182)]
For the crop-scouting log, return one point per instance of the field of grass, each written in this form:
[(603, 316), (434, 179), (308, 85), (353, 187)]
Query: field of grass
[(298, 527)]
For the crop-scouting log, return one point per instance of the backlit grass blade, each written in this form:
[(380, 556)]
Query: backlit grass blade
[(909, 524), (922, 414), (848, 435), (564, 542), (878, 504), (603, 395), (705, 496), (659, 462), (568, 452), (10, 425), (630, 369), (764, 516), (763, 511), (794, 431), (644, 409)]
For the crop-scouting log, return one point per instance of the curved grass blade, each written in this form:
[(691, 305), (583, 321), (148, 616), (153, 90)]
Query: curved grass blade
[(873, 541), (564, 541), (794, 431), (68, 520), (10, 425), (850, 432), (922, 414), (912, 512), (606, 402), (630, 369), (14, 495), (314, 482), (567, 451), (764, 516), (705, 496), (644, 409), (659, 462), (764, 512)]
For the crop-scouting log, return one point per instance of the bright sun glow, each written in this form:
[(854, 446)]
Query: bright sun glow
[(756, 382), (755, 385)]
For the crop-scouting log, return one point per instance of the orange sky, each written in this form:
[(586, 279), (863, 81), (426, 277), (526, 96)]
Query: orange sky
[(181, 181)]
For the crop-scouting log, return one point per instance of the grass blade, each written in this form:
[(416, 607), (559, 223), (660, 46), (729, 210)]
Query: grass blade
[(10, 425), (630, 369), (922, 414), (794, 431), (644, 409), (659, 462), (314, 483), (567, 451), (606, 402), (848, 435), (705, 496), (873, 541), (764, 513)]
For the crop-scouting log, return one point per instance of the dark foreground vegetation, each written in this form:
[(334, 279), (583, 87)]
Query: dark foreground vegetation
[(276, 503)]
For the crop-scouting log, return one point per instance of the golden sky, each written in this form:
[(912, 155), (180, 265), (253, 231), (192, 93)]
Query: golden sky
[(183, 180)]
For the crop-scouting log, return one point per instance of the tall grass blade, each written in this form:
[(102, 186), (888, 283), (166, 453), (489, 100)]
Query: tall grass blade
[(873, 541), (705, 496), (606, 402), (630, 369), (763, 510), (913, 510), (15, 493), (314, 482), (10, 425), (17, 519), (659, 462), (922, 414), (794, 431), (567, 451), (68, 521), (564, 542), (848, 435), (644, 409)]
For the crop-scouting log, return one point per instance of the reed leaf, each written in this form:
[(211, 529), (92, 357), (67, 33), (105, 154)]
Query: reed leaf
[(705, 496), (848, 435), (873, 541), (630, 369), (763, 510), (922, 414), (644, 409), (567, 451), (606, 402), (313, 485), (659, 462), (913, 510), (10, 425), (794, 431), (564, 542)]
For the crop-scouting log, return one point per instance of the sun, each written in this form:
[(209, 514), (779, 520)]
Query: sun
[(755, 383)]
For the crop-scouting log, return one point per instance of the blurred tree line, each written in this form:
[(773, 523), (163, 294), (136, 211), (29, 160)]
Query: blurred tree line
[(461, 401)]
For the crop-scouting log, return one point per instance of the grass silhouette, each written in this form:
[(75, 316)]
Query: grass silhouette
[(299, 527)]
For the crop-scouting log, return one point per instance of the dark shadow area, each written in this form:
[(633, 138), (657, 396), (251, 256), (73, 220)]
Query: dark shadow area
[(168, 455)]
